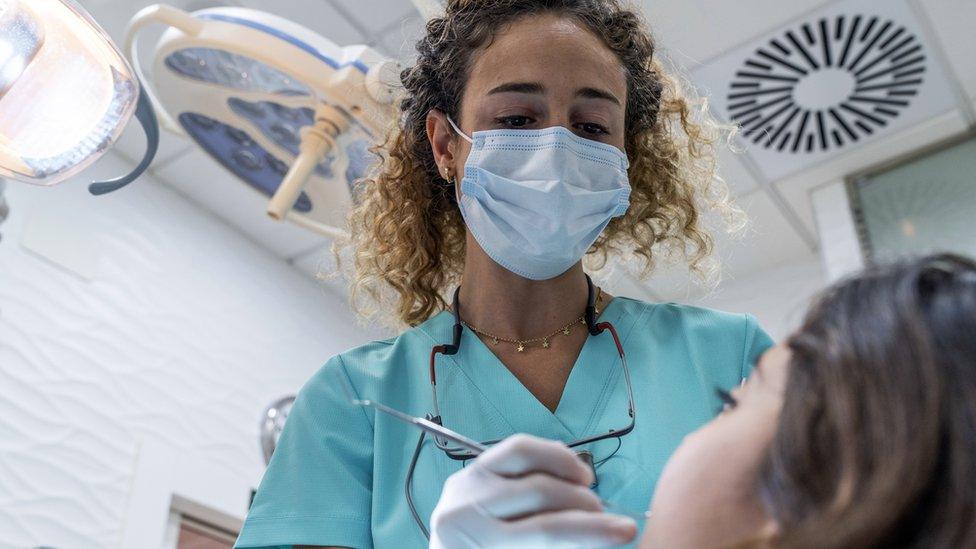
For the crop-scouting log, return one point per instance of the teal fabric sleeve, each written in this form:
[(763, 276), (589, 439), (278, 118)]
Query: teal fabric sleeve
[(756, 342), (317, 489)]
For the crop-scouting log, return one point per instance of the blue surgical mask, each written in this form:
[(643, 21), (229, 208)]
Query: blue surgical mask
[(536, 200)]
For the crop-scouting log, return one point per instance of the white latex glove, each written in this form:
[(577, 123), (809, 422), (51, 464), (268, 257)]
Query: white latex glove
[(525, 492)]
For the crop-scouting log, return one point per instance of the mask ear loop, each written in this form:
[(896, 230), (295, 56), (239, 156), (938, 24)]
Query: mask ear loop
[(458, 130), (450, 179)]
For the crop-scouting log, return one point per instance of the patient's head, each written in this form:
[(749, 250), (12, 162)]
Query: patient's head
[(860, 431)]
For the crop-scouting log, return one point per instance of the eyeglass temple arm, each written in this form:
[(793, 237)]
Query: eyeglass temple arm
[(630, 391), (613, 332), (433, 382), (623, 358)]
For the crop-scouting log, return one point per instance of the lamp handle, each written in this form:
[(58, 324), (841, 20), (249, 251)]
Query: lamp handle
[(147, 118), (317, 141)]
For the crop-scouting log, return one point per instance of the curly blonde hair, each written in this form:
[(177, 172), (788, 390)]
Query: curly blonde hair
[(407, 233)]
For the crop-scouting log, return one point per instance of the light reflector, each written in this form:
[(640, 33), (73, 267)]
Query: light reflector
[(66, 93)]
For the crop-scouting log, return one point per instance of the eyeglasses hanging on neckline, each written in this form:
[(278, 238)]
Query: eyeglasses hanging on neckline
[(462, 454), (594, 328)]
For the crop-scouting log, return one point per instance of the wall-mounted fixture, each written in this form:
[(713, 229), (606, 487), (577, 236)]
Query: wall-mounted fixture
[(286, 111)]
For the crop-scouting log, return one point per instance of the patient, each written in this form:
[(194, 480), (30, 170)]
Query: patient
[(860, 431)]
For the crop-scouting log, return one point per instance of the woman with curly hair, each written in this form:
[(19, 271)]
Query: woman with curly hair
[(532, 133)]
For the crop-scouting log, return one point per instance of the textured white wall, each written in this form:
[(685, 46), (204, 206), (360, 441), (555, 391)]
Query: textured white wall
[(167, 327)]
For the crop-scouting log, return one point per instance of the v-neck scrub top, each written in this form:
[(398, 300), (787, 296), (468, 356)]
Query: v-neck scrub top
[(337, 475)]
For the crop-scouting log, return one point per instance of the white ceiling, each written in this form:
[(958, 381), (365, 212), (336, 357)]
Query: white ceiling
[(690, 33)]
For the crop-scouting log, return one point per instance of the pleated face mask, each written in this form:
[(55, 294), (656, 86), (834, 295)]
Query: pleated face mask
[(536, 200)]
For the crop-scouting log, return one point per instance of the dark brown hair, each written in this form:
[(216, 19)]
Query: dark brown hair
[(876, 445), (406, 230)]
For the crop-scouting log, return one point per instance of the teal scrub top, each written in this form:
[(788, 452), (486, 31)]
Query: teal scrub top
[(337, 475)]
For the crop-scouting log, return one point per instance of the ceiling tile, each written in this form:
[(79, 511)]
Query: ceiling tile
[(734, 172), (778, 298), (316, 15), (693, 31), (204, 181), (400, 40), (850, 74), (377, 15), (796, 189), (953, 21), (769, 241)]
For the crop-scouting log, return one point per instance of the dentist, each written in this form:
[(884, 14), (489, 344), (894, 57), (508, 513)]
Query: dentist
[(532, 133)]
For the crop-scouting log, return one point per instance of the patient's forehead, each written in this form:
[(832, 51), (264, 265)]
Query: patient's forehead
[(772, 369)]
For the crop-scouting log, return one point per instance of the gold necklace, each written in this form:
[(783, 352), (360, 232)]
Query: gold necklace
[(521, 343)]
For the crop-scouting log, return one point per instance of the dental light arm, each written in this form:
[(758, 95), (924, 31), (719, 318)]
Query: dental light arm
[(317, 141), (287, 112), (167, 15)]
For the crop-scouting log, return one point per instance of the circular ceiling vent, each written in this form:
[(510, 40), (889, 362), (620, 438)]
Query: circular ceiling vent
[(826, 84)]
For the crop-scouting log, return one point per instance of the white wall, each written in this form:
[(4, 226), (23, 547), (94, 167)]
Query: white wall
[(162, 328), (778, 297), (838, 231)]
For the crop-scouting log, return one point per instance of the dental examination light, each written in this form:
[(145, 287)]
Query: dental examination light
[(288, 112), (66, 94)]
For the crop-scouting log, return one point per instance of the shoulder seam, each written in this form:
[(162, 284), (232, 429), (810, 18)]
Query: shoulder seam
[(344, 372), (748, 337)]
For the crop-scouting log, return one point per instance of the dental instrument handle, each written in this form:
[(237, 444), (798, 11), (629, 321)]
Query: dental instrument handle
[(425, 425), (317, 141), (463, 441)]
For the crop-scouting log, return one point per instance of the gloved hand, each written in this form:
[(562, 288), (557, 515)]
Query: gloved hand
[(525, 492)]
